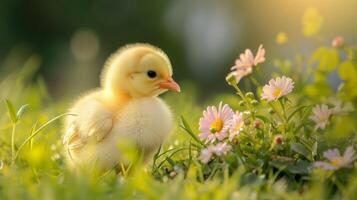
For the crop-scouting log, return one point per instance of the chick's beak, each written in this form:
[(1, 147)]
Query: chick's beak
[(170, 84)]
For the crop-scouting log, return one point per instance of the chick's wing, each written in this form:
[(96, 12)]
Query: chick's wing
[(92, 120)]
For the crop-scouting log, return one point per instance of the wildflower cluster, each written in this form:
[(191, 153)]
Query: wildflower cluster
[(274, 128), (219, 125)]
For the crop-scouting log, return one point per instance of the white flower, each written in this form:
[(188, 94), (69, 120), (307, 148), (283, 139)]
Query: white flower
[(277, 88), (221, 149), (218, 149), (206, 154), (335, 160), (321, 116), (236, 125)]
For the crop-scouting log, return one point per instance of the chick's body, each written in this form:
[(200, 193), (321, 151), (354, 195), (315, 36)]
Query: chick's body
[(126, 108)]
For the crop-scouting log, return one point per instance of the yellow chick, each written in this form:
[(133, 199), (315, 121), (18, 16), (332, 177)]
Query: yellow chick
[(126, 107)]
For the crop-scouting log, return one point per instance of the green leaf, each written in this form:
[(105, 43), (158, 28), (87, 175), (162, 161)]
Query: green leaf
[(300, 167), (263, 118), (170, 161), (11, 110), (347, 71), (188, 129), (297, 110), (21, 111), (279, 164), (300, 149), (251, 179)]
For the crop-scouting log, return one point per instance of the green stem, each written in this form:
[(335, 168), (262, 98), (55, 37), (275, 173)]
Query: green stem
[(240, 93), (284, 111), (276, 111), (339, 185), (13, 143), (284, 114), (254, 81), (240, 154)]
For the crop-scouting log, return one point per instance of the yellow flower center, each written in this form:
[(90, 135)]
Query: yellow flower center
[(216, 125), (322, 118), (276, 93), (335, 162), (239, 126)]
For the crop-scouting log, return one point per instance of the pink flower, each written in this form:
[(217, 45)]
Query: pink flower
[(277, 88), (218, 149), (215, 123), (321, 116), (260, 56), (221, 149), (236, 125), (240, 73), (244, 64), (335, 160), (338, 42), (206, 154)]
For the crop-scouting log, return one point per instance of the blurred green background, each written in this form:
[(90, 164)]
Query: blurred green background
[(72, 38)]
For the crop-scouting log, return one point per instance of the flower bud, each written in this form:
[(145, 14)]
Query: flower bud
[(254, 102), (278, 139), (250, 95), (241, 103), (257, 124), (338, 42), (173, 174), (231, 79)]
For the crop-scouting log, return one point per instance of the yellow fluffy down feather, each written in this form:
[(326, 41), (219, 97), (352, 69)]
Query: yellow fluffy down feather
[(125, 108)]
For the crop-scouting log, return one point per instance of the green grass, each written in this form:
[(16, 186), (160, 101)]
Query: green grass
[(32, 158)]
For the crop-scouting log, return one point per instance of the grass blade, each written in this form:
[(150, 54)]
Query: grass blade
[(11, 110), (38, 131), (21, 111), (188, 129)]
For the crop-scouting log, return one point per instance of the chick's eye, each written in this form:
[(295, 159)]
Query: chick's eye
[(151, 74)]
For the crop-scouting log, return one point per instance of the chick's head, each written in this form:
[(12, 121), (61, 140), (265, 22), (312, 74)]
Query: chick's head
[(139, 70)]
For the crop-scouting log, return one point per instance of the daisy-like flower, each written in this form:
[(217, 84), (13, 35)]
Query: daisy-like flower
[(244, 64), (236, 125), (277, 88), (221, 149), (240, 73), (335, 160), (218, 149), (206, 154), (321, 116), (215, 123)]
